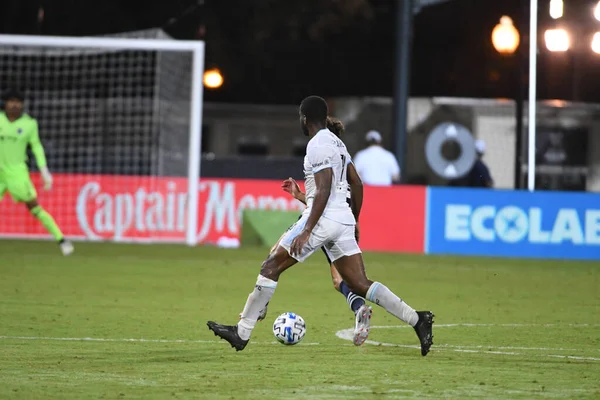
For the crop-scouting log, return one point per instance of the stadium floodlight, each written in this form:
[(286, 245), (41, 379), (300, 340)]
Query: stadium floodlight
[(596, 43), (121, 123), (505, 37), (557, 40), (213, 79), (556, 9), (597, 11)]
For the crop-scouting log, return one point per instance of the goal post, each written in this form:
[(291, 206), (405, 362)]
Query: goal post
[(121, 122)]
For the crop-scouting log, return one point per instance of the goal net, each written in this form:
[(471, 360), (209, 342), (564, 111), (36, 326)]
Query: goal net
[(120, 120)]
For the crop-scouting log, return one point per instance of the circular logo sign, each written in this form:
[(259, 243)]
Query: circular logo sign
[(450, 150)]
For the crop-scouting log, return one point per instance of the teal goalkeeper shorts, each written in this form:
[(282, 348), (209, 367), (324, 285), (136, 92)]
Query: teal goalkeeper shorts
[(19, 186)]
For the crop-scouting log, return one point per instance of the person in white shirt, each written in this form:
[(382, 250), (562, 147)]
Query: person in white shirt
[(376, 165), (328, 221)]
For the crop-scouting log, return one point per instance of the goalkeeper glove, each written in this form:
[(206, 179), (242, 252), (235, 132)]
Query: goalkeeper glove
[(46, 177)]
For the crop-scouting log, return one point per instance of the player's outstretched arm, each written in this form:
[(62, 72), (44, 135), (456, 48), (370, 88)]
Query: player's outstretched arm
[(40, 157), (291, 186), (356, 190)]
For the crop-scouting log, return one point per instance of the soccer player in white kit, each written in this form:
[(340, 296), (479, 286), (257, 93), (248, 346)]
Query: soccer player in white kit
[(328, 222), (362, 312)]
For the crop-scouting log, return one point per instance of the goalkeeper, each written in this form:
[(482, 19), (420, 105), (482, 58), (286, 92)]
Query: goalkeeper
[(17, 131)]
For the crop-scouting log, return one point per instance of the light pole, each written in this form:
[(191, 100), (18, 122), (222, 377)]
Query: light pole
[(506, 39), (213, 79), (557, 40), (596, 43), (404, 29)]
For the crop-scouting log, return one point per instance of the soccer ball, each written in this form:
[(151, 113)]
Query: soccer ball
[(289, 328)]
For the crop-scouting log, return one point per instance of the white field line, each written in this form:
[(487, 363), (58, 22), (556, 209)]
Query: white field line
[(496, 325), (121, 340), (347, 334)]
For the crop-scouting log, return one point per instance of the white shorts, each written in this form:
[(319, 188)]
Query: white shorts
[(337, 239)]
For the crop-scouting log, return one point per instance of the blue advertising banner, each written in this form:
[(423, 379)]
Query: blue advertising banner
[(513, 223)]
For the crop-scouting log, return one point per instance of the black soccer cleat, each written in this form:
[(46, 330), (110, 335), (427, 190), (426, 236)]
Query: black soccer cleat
[(228, 333), (424, 330)]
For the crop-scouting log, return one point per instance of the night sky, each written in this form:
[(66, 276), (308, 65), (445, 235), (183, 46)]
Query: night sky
[(275, 51)]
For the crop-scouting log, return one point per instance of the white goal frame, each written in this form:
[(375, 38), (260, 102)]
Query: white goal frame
[(195, 133)]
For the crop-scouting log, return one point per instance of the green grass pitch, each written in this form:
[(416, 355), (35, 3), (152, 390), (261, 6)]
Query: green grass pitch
[(504, 328)]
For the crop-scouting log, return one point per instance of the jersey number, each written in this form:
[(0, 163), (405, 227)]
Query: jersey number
[(343, 167)]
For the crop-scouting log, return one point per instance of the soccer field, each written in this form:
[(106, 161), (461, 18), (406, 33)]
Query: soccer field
[(125, 321)]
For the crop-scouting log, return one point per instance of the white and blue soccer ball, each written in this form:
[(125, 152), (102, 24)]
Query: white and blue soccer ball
[(289, 328)]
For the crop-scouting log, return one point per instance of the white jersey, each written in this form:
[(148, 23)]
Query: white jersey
[(325, 150)]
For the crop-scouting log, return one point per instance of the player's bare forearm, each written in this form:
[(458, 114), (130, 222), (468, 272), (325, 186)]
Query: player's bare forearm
[(301, 197), (291, 186), (323, 180), (357, 199), (356, 190)]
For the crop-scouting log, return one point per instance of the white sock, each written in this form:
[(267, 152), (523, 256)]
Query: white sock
[(257, 300), (382, 296)]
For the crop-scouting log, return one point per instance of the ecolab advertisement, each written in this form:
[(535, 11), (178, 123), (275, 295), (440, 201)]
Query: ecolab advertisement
[(513, 223), (129, 208)]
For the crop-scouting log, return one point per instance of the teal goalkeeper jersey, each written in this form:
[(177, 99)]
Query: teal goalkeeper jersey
[(14, 138)]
